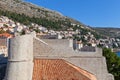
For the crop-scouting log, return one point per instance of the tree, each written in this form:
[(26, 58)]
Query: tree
[(113, 62)]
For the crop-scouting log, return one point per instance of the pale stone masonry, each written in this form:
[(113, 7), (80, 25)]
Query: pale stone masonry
[(20, 58), (93, 62), (22, 48)]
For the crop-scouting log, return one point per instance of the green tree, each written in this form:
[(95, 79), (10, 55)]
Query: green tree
[(113, 62)]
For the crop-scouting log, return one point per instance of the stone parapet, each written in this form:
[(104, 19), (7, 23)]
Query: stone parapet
[(22, 48)]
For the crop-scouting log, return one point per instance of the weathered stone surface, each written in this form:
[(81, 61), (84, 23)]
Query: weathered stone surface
[(20, 59), (20, 65), (93, 62), (60, 48), (40, 47), (21, 48), (95, 65), (19, 71)]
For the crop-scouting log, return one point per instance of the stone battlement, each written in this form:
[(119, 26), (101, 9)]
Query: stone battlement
[(61, 48), (24, 48)]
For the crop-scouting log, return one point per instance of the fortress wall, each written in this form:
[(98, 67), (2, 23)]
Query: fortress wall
[(108, 75), (40, 47), (58, 43), (20, 59), (93, 62), (96, 66), (60, 48), (21, 49)]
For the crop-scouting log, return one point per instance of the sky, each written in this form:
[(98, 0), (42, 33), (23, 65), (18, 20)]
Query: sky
[(95, 13)]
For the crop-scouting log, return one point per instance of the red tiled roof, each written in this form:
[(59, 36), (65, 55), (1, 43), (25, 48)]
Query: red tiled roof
[(58, 69), (6, 35)]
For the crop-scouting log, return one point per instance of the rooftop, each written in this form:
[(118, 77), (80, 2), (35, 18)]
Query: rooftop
[(58, 69), (6, 35)]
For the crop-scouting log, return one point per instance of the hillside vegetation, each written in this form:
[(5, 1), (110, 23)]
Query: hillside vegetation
[(113, 63), (27, 13), (42, 15), (26, 20)]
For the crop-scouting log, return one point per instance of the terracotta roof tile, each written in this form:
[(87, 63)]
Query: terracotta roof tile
[(58, 69), (7, 35)]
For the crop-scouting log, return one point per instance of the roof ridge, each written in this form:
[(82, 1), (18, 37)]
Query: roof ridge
[(51, 65), (89, 75)]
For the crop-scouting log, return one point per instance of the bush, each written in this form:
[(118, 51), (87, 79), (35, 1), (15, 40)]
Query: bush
[(113, 62)]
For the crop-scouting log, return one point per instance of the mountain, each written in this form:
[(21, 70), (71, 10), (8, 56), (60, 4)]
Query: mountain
[(111, 32), (27, 13), (31, 10)]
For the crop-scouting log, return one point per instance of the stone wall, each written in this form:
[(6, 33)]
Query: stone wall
[(21, 50), (95, 65), (93, 62), (60, 48), (40, 47), (20, 58)]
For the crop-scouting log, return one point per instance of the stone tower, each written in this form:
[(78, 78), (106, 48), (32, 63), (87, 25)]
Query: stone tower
[(20, 58)]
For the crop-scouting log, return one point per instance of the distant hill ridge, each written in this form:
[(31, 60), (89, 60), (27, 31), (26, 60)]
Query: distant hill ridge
[(111, 32)]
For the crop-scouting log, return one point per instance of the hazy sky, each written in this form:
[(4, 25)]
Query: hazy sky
[(96, 13)]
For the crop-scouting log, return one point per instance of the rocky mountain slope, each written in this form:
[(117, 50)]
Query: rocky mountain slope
[(26, 13), (31, 10)]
